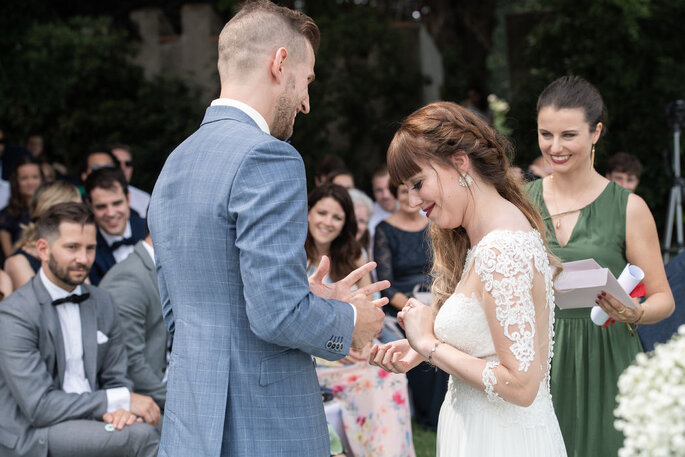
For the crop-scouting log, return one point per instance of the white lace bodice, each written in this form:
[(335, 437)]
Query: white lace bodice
[(506, 263)]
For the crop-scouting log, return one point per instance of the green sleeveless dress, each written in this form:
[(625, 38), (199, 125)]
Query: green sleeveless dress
[(588, 359)]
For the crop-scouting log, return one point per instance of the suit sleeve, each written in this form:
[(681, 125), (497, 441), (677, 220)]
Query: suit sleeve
[(269, 206), (132, 303), (25, 373)]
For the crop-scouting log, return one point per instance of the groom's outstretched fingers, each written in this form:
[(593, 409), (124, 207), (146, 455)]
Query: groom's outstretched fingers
[(321, 270), (374, 287), (359, 273), (381, 302), (316, 281), (369, 319)]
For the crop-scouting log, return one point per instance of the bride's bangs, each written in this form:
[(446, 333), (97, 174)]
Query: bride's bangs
[(403, 153)]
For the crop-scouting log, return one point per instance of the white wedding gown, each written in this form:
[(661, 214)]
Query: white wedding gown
[(478, 422)]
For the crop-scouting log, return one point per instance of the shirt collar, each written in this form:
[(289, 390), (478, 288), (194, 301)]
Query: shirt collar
[(109, 239), (55, 291), (150, 250), (247, 109)]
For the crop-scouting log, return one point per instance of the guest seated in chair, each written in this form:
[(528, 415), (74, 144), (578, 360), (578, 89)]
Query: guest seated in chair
[(118, 228), (63, 389), (133, 284), (24, 263), (24, 181), (375, 403)]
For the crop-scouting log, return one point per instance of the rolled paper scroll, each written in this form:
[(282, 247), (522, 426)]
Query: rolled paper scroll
[(629, 279)]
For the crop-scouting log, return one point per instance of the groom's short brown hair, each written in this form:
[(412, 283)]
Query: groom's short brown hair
[(259, 28)]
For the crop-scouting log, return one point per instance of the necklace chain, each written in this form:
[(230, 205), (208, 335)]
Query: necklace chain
[(558, 216)]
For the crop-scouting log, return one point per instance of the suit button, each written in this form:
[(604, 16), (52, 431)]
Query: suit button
[(329, 345), (41, 441)]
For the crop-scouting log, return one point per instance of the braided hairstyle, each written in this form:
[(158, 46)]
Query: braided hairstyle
[(433, 134)]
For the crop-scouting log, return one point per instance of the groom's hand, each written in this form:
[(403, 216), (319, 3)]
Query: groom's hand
[(369, 319), (341, 290)]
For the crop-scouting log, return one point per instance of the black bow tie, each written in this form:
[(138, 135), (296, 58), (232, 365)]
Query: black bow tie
[(123, 242), (73, 298)]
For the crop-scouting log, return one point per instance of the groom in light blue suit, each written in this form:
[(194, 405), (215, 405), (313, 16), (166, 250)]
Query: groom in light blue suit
[(228, 219)]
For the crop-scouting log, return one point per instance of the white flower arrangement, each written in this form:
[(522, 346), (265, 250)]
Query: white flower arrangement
[(651, 402)]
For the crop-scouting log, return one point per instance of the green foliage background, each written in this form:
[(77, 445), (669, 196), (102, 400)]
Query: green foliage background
[(71, 77), (73, 82), (365, 84), (633, 51)]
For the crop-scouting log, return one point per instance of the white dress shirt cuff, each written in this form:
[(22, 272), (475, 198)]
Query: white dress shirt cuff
[(354, 310), (118, 397)]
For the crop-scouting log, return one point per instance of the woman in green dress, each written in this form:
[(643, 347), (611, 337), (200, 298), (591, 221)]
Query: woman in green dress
[(587, 216)]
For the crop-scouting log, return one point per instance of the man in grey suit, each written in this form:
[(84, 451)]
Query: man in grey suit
[(133, 285), (228, 219), (63, 389)]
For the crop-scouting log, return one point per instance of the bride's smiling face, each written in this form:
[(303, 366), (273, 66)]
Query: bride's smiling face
[(436, 190)]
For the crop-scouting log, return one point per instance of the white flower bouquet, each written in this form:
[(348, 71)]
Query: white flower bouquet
[(651, 402)]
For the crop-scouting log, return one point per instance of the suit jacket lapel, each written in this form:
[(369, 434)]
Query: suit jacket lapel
[(89, 328), (51, 321)]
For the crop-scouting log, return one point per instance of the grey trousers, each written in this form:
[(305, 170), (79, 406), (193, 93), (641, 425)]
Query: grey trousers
[(88, 438)]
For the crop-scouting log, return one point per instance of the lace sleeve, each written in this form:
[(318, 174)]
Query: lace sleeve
[(505, 268), (382, 255)]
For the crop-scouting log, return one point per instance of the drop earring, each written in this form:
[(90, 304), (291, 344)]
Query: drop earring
[(592, 157), (465, 181)]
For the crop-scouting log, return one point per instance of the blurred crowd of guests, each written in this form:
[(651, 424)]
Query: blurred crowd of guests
[(46, 258), (78, 362)]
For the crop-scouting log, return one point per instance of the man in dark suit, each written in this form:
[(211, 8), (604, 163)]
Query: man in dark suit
[(63, 389), (118, 228), (133, 284)]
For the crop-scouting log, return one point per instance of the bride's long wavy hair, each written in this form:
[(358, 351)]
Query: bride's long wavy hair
[(433, 134)]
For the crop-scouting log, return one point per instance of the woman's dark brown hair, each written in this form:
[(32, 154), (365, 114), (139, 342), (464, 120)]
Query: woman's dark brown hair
[(17, 202), (345, 250), (571, 92)]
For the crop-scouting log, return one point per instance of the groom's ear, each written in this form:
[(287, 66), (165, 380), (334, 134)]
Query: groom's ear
[(277, 64)]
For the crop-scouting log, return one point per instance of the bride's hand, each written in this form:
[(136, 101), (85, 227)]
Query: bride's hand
[(396, 356), (417, 321)]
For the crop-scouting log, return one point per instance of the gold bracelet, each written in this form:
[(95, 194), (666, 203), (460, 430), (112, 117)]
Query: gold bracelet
[(632, 326), (642, 313)]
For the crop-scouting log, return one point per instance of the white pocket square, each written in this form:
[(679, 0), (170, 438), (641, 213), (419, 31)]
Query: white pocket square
[(102, 338)]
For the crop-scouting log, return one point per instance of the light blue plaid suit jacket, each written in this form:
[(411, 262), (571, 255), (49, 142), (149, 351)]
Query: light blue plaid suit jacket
[(228, 218)]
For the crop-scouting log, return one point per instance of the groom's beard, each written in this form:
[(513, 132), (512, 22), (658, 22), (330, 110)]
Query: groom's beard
[(286, 110)]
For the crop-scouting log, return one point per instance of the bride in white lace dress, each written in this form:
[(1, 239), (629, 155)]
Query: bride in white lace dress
[(491, 324)]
